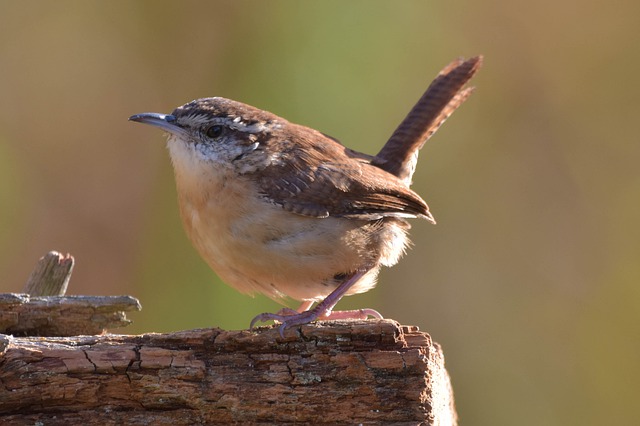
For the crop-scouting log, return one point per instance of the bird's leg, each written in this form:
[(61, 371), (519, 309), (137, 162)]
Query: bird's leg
[(323, 310)]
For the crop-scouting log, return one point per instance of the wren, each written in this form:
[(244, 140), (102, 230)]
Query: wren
[(281, 209)]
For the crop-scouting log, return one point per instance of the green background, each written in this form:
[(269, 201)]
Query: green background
[(530, 280)]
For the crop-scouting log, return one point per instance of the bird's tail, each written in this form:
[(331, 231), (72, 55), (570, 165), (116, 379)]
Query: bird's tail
[(443, 96)]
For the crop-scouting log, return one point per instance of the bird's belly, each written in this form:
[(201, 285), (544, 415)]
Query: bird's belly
[(255, 246), (267, 253)]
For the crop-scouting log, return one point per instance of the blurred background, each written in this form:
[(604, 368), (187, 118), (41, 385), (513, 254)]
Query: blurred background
[(529, 280)]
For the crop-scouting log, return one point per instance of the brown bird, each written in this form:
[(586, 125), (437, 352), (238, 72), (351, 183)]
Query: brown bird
[(284, 210)]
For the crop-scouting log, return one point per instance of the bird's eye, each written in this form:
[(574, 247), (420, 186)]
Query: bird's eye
[(214, 131)]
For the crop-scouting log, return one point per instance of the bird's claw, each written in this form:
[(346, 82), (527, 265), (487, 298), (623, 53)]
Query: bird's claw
[(289, 317)]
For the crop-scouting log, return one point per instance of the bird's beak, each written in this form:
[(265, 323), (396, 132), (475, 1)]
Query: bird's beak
[(166, 122)]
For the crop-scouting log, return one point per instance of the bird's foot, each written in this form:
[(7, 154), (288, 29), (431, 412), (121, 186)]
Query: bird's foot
[(289, 317)]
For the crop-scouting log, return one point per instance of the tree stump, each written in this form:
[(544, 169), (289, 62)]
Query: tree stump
[(334, 372)]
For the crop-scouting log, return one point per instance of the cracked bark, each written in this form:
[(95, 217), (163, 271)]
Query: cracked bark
[(328, 372)]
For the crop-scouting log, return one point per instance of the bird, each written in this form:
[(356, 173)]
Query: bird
[(283, 210)]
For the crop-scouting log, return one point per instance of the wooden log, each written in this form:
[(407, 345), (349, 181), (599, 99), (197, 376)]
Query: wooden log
[(23, 315), (334, 372)]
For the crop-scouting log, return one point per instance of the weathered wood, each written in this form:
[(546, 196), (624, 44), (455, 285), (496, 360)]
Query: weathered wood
[(23, 315), (334, 372), (51, 275)]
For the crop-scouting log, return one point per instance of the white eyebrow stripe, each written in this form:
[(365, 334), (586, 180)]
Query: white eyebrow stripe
[(236, 123)]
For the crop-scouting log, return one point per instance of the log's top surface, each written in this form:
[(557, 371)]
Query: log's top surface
[(344, 335)]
